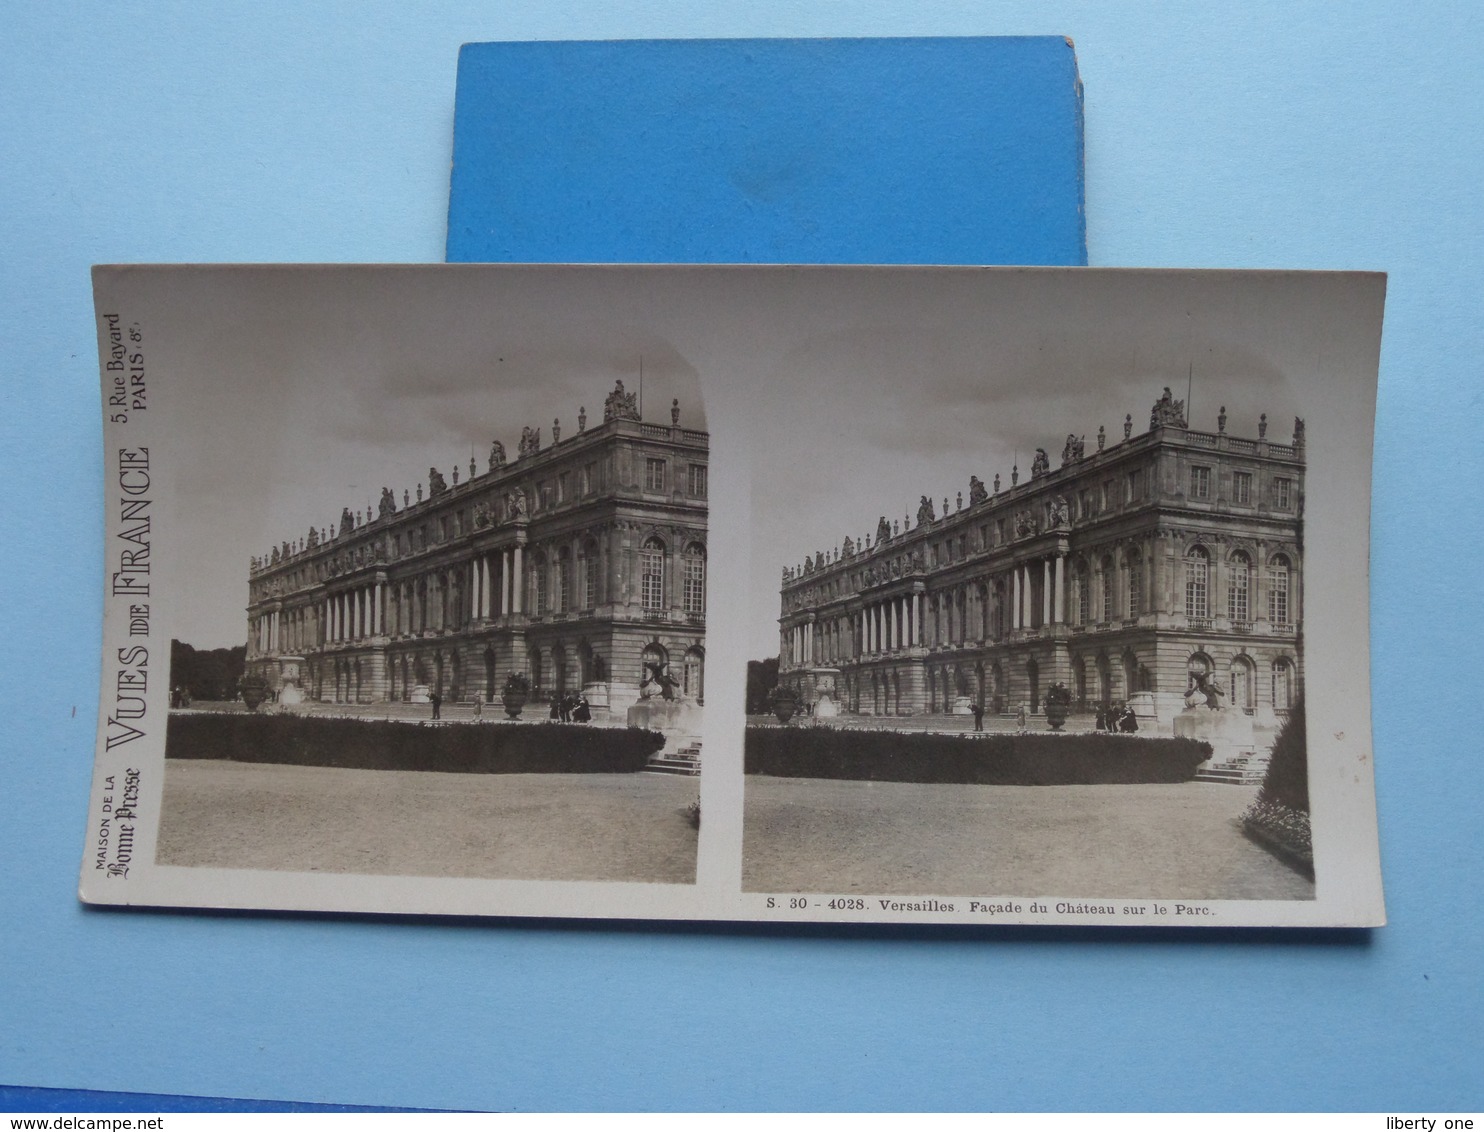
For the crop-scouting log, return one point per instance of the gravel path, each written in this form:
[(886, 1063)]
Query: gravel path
[(1157, 841), (620, 827)]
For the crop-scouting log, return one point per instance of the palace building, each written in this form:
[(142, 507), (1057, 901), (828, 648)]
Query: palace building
[(1128, 569), (580, 564)]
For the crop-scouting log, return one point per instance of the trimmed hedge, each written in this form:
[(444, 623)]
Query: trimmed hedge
[(471, 748), (1287, 780), (981, 760)]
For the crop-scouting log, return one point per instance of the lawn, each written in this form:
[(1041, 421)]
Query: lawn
[(1153, 840), (607, 827)]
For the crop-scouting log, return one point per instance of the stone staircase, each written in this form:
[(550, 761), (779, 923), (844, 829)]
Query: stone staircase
[(1236, 770), (684, 759)]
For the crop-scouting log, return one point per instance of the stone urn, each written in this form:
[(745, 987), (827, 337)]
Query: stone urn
[(785, 703), (517, 692), (1058, 703), (254, 691)]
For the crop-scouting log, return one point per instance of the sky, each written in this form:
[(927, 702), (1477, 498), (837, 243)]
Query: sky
[(833, 395)]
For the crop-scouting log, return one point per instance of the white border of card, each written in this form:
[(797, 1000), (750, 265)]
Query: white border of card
[(944, 507)]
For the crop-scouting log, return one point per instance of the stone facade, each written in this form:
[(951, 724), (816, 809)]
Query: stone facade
[(1124, 570), (581, 564)]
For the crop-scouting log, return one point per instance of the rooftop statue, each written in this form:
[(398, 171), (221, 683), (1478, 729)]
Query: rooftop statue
[(347, 521), (1167, 412), (388, 502), (530, 441), (977, 492), (883, 531), (436, 485), (497, 456), (1073, 449), (620, 406), (1041, 465), (925, 511)]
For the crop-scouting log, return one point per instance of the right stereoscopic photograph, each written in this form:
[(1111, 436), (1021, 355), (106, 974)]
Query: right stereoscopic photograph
[(1061, 583)]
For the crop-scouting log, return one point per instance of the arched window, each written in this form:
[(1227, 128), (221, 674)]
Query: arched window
[(534, 660), (693, 675), (1241, 684), (1282, 684), (1197, 582), (695, 578), (564, 580), (1238, 603), (1135, 568), (1278, 605), (652, 574), (1108, 608)]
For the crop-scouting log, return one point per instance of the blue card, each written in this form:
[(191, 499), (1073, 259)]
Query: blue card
[(964, 150)]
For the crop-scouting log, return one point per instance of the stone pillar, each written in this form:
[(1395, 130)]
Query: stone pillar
[(921, 636), (1015, 599), (378, 627), (1060, 611), (1046, 591), (517, 580)]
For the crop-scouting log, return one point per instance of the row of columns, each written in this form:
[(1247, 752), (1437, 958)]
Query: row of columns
[(497, 588), (891, 625), (354, 615), (1053, 586)]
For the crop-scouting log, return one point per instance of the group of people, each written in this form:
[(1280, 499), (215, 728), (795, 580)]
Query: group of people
[(1112, 718), (1108, 717), (571, 708)]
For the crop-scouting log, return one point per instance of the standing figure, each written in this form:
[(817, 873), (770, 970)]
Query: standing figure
[(435, 697), (978, 709)]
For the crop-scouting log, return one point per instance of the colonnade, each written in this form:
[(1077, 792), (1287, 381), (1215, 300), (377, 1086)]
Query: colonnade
[(497, 583), (355, 614)]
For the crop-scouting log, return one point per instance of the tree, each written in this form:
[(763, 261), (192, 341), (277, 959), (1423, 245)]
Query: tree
[(762, 678)]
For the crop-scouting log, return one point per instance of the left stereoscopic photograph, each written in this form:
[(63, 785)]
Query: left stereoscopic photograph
[(405, 571)]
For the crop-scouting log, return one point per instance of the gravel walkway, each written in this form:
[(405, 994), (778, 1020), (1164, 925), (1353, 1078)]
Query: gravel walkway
[(620, 827), (1156, 841)]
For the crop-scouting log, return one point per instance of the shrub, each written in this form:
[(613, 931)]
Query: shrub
[(998, 760), (1287, 781), (475, 748)]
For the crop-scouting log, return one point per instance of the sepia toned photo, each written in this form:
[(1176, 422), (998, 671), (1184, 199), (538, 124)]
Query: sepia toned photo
[(1031, 595), (443, 608), (1041, 630)]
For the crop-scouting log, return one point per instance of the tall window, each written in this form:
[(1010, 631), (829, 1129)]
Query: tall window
[(1278, 608), (652, 573), (1200, 483), (695, 578), (698, 481), (1238, 607), (654, 474), (1282, 685), (539, 594), (1084, 597), (564, 487), (585, 479), (1107, 589), (1282, 494), (1135, 569), (1241, 487), (1197, 582), (589, 574), (564, 580)]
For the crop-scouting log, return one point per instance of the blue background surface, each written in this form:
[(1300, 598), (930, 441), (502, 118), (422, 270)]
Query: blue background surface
[(769, 151), (1255, 135)]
